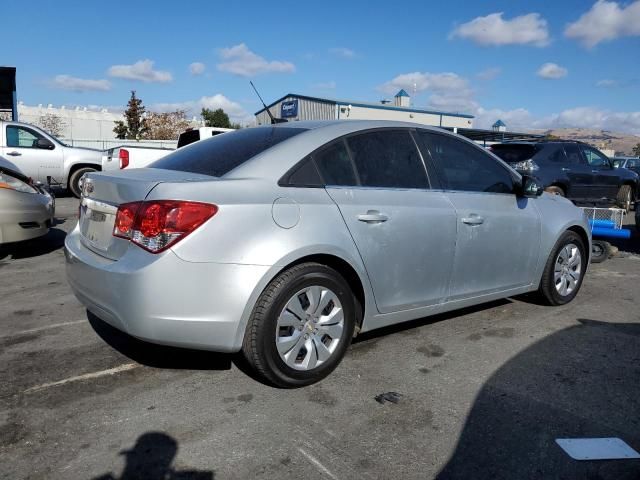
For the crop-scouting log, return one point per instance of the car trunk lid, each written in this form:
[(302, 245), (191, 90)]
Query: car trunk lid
[(103, 193)]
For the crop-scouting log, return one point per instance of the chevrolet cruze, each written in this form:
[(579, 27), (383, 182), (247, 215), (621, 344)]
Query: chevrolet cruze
[(286, 241)]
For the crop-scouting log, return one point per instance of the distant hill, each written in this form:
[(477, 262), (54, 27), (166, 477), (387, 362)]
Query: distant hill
[(620, 142)]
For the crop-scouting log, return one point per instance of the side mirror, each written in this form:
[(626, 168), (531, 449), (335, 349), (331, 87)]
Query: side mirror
[(44, 144), (530, 187)]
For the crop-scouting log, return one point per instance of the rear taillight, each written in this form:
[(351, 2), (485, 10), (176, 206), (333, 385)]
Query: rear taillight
[(159, 224), (123, 155)]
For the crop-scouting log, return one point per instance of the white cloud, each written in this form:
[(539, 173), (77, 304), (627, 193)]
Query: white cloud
[(605, 21), (517, 119), (239, 60), (448, 90), (607, 83), (142, 70), (552, 71), (489, 73), (493, 30), (342, 52), (193, 107), (197, 68), (324, 85), (75, 84)]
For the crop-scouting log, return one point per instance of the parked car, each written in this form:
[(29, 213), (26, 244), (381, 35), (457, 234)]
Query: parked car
[(631, 163), (196, 134), (132, 156), (572, 169), (285, 241), (26, 209), (45, 158)]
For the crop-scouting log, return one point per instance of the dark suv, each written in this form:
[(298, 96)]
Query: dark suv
[(572, 169)]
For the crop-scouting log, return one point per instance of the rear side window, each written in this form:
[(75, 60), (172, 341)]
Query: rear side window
[(512, 153), (219, 155), (335, 165), (465, 167), (574, 157), (305, 175), (388, 159), (189, 137)]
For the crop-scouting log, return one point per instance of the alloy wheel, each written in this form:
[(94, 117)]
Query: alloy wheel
[(567, 269)]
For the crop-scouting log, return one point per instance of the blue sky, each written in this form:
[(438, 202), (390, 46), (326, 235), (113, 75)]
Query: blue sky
[(533, 64)]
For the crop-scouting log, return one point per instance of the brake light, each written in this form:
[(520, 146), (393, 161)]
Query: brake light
[(159, 224), (123, 155)]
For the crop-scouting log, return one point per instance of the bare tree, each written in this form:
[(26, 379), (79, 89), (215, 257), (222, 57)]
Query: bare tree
[(51, 123), (166, 126)]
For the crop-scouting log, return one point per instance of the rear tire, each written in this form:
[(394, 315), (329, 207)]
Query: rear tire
[(564, 271), (624, 197), (555, 190), (301, 326), (74, 180)]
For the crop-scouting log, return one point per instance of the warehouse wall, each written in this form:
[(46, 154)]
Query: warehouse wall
[(307, 110), (364, 113)]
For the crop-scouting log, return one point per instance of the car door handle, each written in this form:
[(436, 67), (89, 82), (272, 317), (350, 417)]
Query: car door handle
[(565, 169), (595, 171), (373, 216), (473, 220), (14, 154)]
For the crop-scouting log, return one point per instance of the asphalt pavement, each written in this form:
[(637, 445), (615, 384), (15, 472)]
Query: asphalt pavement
[(483, 392)]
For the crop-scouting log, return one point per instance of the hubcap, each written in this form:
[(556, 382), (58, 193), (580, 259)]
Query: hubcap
[(568, 269), (309, 328)]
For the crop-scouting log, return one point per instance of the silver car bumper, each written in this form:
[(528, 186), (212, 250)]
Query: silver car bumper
[(24, 216), (163, 299)]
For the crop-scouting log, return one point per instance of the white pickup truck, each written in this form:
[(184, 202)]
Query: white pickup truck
[(132, 156), (136, 156), (44, 158)]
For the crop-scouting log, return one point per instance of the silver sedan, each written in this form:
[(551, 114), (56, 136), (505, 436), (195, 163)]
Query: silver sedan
[(26, 210), (286, 241)]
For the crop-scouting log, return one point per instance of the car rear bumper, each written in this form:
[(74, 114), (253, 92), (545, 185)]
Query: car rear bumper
[(24, 216), (164, 299)]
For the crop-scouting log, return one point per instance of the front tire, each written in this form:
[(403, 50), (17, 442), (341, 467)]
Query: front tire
[(74, 180), (564, 271), (624, 197), (301, 326)]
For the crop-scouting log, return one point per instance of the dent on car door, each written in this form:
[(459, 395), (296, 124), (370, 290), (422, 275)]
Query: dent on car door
[(404, 232), (22, 148), (498, 233)]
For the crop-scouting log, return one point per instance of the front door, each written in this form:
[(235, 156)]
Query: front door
[(22, 150), (404, 232), (498, 233), (579, 172)]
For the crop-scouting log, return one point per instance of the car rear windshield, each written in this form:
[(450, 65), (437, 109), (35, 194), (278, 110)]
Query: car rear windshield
[(515, 153), (219, 155)]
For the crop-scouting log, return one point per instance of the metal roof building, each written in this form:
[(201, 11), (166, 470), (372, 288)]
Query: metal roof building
[(294, 107)]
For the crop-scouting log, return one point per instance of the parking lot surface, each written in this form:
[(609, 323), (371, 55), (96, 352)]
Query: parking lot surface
[(484, 391)]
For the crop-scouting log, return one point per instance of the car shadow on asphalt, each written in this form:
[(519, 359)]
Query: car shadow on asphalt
[(158, 356), (44, 245), (151, 458), (579, 382)]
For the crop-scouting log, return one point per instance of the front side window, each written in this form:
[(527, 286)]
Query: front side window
[(388, 159), (594, 158), (464, 167), (335, 165), (20, 137)]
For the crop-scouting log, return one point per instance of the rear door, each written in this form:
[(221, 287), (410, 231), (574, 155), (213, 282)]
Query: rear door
[(579, 172), (498, 233), (605, 179), (37, 163), (404, 232)]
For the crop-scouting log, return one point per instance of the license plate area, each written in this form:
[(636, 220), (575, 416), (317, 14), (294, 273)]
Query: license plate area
[(96, 224)]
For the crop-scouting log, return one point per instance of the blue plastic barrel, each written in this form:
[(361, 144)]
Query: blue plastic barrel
[(602, 223), (611, 232)]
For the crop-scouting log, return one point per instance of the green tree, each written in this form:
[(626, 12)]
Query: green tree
[(636, 150), (215, 118), (135, 126)]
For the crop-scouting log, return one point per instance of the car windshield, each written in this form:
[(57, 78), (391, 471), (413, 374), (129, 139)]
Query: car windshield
[(219, 155), (512, 153)]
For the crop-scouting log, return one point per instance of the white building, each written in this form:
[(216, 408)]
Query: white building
[(295, 107)]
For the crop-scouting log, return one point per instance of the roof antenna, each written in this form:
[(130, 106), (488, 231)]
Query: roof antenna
[(273, 119)]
